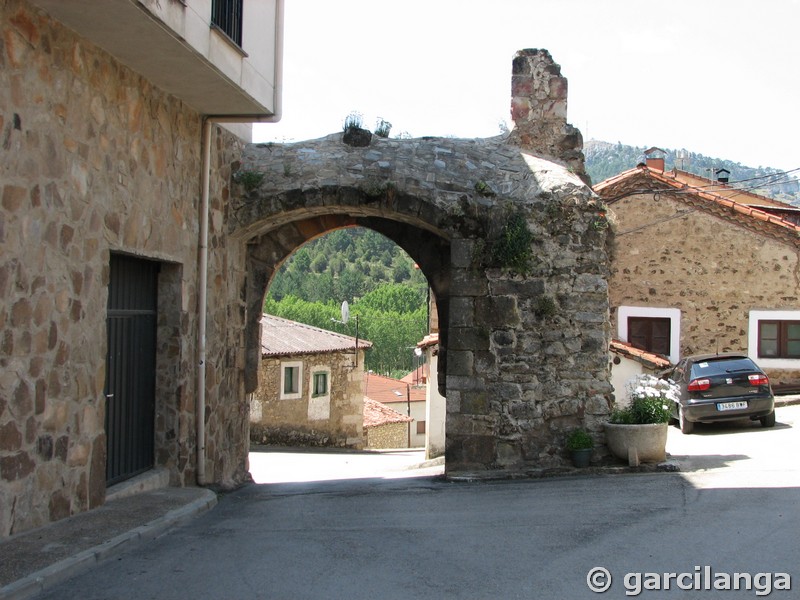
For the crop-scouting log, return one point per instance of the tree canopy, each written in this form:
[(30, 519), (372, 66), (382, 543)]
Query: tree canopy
[(376, 277)]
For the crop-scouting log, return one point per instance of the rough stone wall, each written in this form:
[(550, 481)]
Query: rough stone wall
[(286, 422), (390, 435), (528, 355), (714, 271), (95, 160)]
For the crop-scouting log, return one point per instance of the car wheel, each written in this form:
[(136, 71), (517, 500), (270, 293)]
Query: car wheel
[(768, 420), (686, 426)]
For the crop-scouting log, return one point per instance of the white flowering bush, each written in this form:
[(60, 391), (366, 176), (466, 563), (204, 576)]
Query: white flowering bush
[(650, 398)]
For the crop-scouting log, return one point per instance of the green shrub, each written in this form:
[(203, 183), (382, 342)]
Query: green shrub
[(579, 439), (249, 180)]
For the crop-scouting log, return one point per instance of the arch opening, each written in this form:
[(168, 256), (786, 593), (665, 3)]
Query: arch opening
[(345, 374)]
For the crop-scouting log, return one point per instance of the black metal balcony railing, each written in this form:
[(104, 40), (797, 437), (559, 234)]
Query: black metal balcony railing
[(227, 15)]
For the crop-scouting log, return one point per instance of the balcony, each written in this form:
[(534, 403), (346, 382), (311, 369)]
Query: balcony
[(219, 57)]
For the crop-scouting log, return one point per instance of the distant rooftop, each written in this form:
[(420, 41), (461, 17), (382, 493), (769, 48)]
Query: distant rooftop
[(389, 390), (282, 337), (376, 413)]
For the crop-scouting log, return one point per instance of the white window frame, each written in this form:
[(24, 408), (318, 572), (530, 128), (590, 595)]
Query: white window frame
[(314, 372), (319, 407), (289, 365), (653, 312), (752, 338)]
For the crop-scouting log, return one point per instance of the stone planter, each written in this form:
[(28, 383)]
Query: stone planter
[(637, 443)]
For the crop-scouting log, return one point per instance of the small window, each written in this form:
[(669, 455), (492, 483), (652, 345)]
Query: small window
[(320, 384), (291, 378), (227, 15), (779, 339), (420, 427), (656, 329), (650, 334)]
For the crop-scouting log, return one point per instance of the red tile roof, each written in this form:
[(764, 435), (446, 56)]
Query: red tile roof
[(376, 413), (654, 361), (432, 339), (418, 376), (282, 337), (713, 199), (388, 390)]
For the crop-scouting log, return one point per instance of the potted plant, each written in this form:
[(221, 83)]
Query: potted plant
[(580, 445), (638, 432)]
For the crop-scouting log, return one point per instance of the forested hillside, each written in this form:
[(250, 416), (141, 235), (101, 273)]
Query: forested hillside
[(345, 265), (377, 279), (604, 160)]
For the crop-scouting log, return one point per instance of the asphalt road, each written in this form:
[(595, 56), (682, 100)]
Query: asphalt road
[(732, 510)]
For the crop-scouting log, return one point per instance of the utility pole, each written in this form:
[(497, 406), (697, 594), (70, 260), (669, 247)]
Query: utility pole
[(408, 411)]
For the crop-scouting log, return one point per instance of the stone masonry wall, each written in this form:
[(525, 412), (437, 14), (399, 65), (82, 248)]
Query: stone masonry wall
[(285, 422), (671, 262), (390, 435), (95, 160)]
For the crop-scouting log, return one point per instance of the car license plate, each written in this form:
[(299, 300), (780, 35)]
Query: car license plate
[(731, 405)]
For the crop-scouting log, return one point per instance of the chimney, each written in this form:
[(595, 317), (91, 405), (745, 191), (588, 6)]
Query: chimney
[(723, 175), (654, 158), (539, 111)]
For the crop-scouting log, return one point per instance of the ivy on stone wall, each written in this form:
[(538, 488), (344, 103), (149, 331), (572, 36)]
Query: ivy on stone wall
[(512, 248), (249, 180)]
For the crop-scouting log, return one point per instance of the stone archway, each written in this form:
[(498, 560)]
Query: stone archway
[(523, 343), (269, 249)]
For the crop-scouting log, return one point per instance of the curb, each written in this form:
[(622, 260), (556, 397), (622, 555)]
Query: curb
[(432, 462), (792, 400), (37, 582), (668, 466)]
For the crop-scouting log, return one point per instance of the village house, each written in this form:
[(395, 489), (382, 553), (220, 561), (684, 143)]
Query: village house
[(384, 427), (704, 266), (310, 387), (121, 310), (404, 398)]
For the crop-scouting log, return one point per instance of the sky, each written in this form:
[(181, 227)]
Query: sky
[(717, 77)]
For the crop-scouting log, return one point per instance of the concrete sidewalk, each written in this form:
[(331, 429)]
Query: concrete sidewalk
[(35, 560)]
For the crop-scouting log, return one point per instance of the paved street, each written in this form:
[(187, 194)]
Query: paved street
[(732, 509)]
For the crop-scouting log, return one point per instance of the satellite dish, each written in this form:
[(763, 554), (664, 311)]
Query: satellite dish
[(345, 312)]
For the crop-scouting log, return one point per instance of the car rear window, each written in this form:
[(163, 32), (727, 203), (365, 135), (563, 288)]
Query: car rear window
[(722, 366)]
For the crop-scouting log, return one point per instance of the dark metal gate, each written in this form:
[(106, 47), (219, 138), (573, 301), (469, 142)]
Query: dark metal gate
[(131, 367)]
